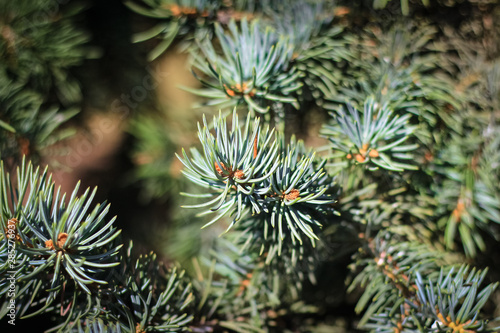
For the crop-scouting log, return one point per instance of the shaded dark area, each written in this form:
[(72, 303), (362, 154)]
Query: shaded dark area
[(121, 64), (107, 83)]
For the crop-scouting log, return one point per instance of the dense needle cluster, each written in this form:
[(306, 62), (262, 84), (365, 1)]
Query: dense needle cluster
[(252, 171)]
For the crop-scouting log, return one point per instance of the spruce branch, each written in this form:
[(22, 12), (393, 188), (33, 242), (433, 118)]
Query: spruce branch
[(178, 19), (38, 93), (400, 67), (40, 47), (60, 243), (254, 67), (323, 65), (301, 21), (246, 292), (470, 201), (157, 298), (399, 299), (251, 171), (388, 273), (454, 300), (375, 138), (67, 260)]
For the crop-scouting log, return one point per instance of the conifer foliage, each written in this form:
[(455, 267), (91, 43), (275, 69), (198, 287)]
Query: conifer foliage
[(40, 42), (395, 215)]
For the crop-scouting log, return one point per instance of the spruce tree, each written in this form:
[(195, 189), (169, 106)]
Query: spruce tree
[(388, 225)]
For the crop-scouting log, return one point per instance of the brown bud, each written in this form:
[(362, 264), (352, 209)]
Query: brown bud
[(373, 153), (218, 169), (363, 150), (292, 195), (61, 239), (239, 174), (360, 158)]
